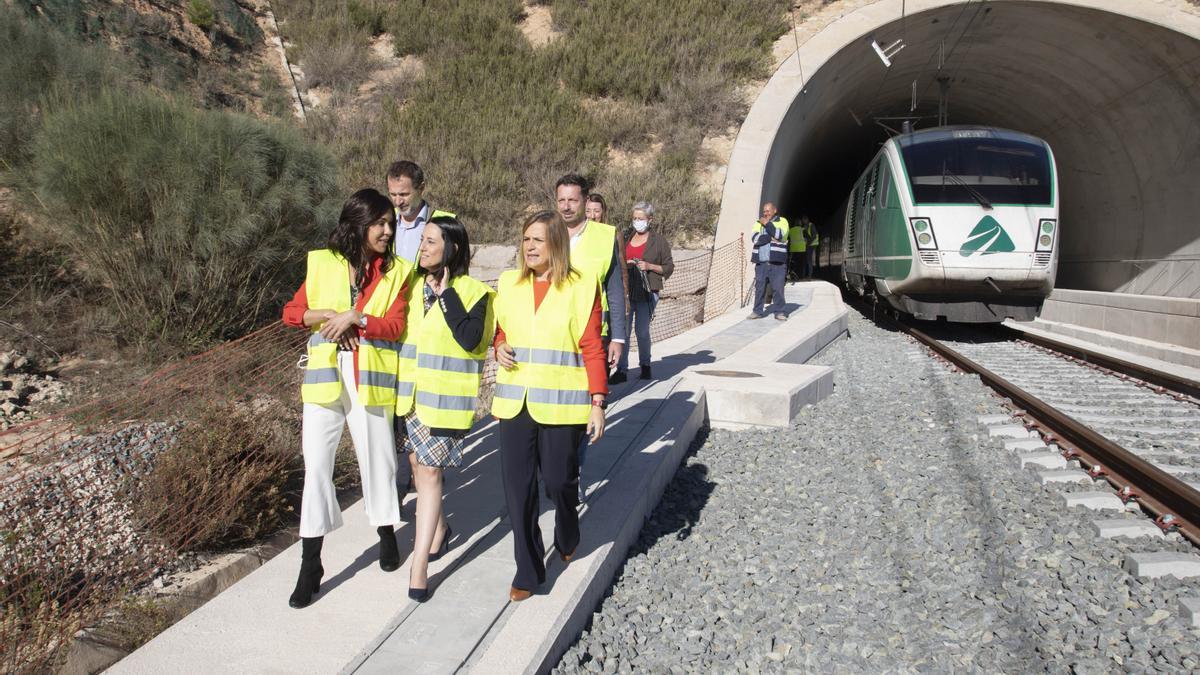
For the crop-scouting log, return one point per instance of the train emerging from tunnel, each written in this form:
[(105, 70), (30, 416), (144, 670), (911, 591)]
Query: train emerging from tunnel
[(957, 223)]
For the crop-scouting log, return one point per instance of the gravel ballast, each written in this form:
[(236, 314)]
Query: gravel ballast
[(884, 531)]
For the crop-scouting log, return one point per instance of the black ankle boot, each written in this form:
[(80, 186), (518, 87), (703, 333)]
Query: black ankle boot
[(311, 572), (389, 553)]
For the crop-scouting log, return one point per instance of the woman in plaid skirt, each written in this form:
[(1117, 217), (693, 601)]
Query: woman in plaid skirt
[(441, 364)]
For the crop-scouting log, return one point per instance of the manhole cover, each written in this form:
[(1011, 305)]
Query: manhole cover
[(727, 373)]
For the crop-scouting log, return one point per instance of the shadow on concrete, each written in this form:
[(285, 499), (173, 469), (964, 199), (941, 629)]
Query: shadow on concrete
[(467, 494), (682, 502), (696, 475)]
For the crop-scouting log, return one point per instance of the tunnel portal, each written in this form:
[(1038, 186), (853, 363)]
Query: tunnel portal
[(1115, 96)]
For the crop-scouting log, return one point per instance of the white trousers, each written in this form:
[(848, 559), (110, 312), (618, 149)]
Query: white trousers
[(371, 431)]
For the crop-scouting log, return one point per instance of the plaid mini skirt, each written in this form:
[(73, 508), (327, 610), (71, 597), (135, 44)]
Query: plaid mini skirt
[(436, 451)]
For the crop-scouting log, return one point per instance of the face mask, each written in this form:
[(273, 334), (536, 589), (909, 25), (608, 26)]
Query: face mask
[(641, 225)]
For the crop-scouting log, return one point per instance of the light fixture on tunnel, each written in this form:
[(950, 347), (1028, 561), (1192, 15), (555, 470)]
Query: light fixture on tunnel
[(886, 53)]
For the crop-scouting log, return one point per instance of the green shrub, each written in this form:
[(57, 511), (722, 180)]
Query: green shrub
[(455, 25), (681, 210), (276, 95), (195, 222), (35, 61), (635, 49), (494, 121), (340, 63), (493, 135), (370, 17), (201, 14)]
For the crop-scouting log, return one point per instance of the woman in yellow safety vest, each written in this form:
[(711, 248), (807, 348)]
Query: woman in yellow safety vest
[(441, 364), (550, 389), (353, 303)]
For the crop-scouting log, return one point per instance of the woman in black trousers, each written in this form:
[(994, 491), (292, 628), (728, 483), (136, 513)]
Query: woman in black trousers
[(550, 390)]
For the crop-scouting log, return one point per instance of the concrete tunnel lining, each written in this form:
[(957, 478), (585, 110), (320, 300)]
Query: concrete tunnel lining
[(1112, 85)]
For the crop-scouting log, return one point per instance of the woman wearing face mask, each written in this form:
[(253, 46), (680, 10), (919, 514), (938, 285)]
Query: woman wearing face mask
[(649, 260), (550, 390), (441, 363), (353, 302)]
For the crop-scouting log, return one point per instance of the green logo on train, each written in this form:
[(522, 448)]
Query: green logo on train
[(987, 237)]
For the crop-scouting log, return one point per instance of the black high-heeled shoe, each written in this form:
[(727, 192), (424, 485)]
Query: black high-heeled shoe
[(433, 557), (309, 581), (418, 594), (389, 552)]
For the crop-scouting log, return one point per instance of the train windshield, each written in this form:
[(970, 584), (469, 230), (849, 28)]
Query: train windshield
[(969, 167)]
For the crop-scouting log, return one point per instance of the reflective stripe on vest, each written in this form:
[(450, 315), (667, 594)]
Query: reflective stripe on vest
[(593, 254), (776, 252), (435, 375), (327, 285), (549, 377)]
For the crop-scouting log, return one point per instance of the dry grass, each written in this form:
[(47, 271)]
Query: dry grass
[(226, 480)]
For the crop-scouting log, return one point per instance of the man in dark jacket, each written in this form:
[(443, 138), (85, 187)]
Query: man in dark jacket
[(770, 241)]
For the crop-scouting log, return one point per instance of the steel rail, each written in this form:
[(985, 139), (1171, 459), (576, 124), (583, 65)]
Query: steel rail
[(1165, 380), (1174, 502)]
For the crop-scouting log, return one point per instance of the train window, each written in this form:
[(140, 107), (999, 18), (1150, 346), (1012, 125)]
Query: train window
[(965, 169), (881, 186)]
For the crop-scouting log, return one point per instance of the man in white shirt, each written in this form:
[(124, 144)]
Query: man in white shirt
[(405, 185)]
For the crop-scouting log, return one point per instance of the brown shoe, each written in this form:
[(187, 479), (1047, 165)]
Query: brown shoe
[(566, 557), (518, 594)]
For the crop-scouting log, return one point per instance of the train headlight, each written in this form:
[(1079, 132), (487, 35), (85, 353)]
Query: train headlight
[(923, 233), (1046, 229)]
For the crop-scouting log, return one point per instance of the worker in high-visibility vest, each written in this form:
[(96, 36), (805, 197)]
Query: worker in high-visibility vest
[(770, 240), (596, 249), (595, 209), (797, 245), (442, 350), (551, 390), (814, 240), (353, 303)]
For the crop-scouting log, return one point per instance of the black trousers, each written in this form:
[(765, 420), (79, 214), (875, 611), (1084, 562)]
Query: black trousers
[(527, 449)]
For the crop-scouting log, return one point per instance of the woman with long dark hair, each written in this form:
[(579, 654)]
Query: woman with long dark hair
[(353, 303), (550, 390), (441, 364)]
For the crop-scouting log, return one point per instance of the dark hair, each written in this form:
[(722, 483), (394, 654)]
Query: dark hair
[(575, 179), (350, 234), (405, 168), (454, 234)]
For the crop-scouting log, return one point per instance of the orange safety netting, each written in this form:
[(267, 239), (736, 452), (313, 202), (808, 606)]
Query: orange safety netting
[(97, 500)]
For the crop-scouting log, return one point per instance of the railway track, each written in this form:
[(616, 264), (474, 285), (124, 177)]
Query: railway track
[(1138, 429)]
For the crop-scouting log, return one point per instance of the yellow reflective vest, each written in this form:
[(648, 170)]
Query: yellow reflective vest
[(797, 242), (593, 254), (327, 286), (436, 373), (549, 376)]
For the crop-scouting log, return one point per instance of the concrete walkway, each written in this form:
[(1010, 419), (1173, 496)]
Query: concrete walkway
[(363, 622)]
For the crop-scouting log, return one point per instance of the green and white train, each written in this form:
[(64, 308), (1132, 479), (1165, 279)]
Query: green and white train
[(957, 223)]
